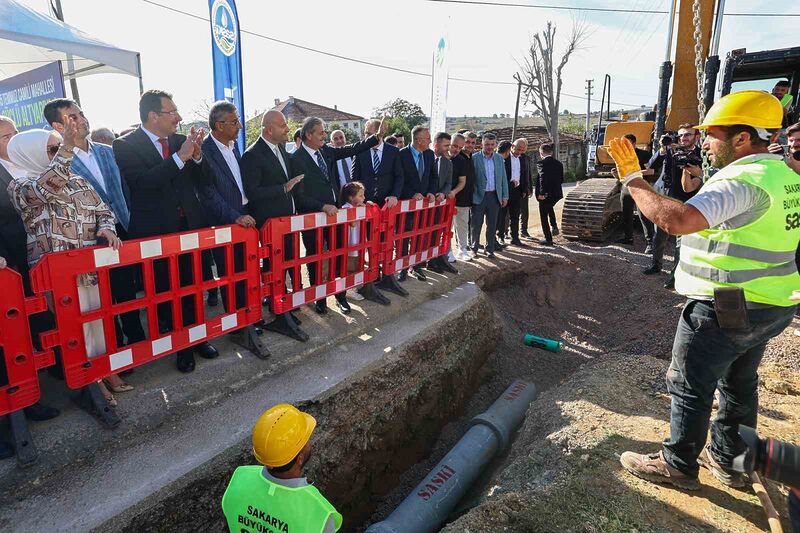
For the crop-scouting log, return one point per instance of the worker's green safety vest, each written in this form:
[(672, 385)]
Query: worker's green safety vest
[(786, 100), (254, 504), (758, 257)]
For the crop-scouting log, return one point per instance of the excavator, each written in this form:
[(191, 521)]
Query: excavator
[(592, 209)]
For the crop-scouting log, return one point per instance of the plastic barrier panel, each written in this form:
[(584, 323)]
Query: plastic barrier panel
[(169, 306), (19, 383), (341, 252), (416, 231)]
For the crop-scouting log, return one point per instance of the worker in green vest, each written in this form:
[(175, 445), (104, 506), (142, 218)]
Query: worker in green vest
[(737, 270), (275, 498)]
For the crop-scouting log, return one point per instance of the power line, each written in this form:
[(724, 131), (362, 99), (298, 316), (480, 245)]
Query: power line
[(353, 59), (597, 9)]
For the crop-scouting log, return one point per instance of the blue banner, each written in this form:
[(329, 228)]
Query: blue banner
[(23, 97), (226, 52)]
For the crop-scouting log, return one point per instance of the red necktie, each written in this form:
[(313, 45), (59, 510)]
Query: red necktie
[(164, 148)]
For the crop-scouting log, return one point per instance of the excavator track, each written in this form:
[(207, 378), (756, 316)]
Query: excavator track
[(592, 210)]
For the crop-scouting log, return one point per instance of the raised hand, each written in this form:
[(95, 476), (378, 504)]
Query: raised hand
[(622, 152), (186, 150), (70, 132)]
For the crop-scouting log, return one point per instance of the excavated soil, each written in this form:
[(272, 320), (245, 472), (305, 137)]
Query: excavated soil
[(604, 394)]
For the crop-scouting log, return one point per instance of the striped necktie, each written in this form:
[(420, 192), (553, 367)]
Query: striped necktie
[(322, 166), (376, 162)]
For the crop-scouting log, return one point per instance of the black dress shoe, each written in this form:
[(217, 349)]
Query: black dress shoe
[(625, 240), (343, 304), (321, 307), (206, 351), (419, 273), (545, 242), (555, 231), (652, 270), (403, 275), (527, 235), (670, 284), (185, 362), (38, 412), (490, 255), (265, 302), (516, 242), (449, 268), (213, 298), (435, 265), (499, 247)]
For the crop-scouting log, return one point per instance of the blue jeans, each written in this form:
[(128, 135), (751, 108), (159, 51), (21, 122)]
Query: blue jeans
[(704, 358)]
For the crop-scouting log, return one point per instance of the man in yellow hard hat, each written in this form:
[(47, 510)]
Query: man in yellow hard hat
[(275, 497), (737, 270)]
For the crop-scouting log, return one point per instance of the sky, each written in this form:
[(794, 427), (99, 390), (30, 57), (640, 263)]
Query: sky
[(487, 44)]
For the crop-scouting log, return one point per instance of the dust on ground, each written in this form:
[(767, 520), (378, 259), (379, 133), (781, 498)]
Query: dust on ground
[(603, 394)]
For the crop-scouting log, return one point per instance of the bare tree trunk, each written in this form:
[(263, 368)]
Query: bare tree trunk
[(542, 78)]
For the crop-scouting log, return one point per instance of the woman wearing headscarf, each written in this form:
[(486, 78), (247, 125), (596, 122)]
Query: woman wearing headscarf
[(62, 211)]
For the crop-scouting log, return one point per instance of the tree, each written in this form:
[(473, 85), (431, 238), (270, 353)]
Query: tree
[(399, 108), (541, 77)]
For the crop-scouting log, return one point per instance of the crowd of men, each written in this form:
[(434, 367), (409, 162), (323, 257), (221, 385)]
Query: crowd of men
[(72, 187)]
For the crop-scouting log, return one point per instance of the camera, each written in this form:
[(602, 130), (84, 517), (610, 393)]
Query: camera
[(776, 460), (683, 158)]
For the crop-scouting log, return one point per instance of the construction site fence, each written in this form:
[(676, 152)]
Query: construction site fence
[(341, 252)]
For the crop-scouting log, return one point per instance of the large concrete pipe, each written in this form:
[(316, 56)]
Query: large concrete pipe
[(430, 503)]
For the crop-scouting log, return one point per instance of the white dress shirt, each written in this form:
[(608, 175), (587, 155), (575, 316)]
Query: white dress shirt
[(515, 169), (344, 171), (233, 165), (89, 160), (277, 152)]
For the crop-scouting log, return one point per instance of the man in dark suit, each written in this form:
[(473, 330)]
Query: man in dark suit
[(548, 190), (420, 181), (504, 149), (161, 169), (444, 172), (518, 179), (223, 199), (379, 170), (273, 190), (315, 159)]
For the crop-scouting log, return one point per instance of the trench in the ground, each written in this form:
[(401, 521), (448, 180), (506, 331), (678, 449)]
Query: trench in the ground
[(379, 434)]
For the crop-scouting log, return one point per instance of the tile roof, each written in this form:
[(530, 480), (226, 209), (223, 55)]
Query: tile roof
[(536, 135), (298, 110)]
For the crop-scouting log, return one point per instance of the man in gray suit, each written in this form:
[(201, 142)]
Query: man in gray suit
[(444, 170), (491, 193)]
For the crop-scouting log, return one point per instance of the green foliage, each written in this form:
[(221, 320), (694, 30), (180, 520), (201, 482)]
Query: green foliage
[(398, 125), (399, 108)]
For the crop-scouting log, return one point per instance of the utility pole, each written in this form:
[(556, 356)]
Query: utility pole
[(58, 11), (588, 108), (516, 107)]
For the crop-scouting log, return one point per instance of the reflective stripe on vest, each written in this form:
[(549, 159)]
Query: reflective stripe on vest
[(737, 276), (735, 250)]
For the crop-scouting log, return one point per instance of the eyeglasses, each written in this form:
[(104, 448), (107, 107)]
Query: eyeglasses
[(172, 113), (688, 134), (236, 122), (53, 150)]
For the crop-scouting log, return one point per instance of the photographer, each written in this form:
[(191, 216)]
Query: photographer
[(673, 159)]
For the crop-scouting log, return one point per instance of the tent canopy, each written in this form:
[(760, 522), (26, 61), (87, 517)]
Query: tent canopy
[(30, 39)]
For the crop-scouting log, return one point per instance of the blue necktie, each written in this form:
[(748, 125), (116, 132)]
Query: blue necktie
[(420, 168), (375, 161), (322, 166)]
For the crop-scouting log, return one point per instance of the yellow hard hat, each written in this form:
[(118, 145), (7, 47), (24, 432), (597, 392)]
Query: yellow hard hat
[(757, 109), (280, 433)]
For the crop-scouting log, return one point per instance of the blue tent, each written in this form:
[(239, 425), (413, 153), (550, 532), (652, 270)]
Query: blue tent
[(30, 39)]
